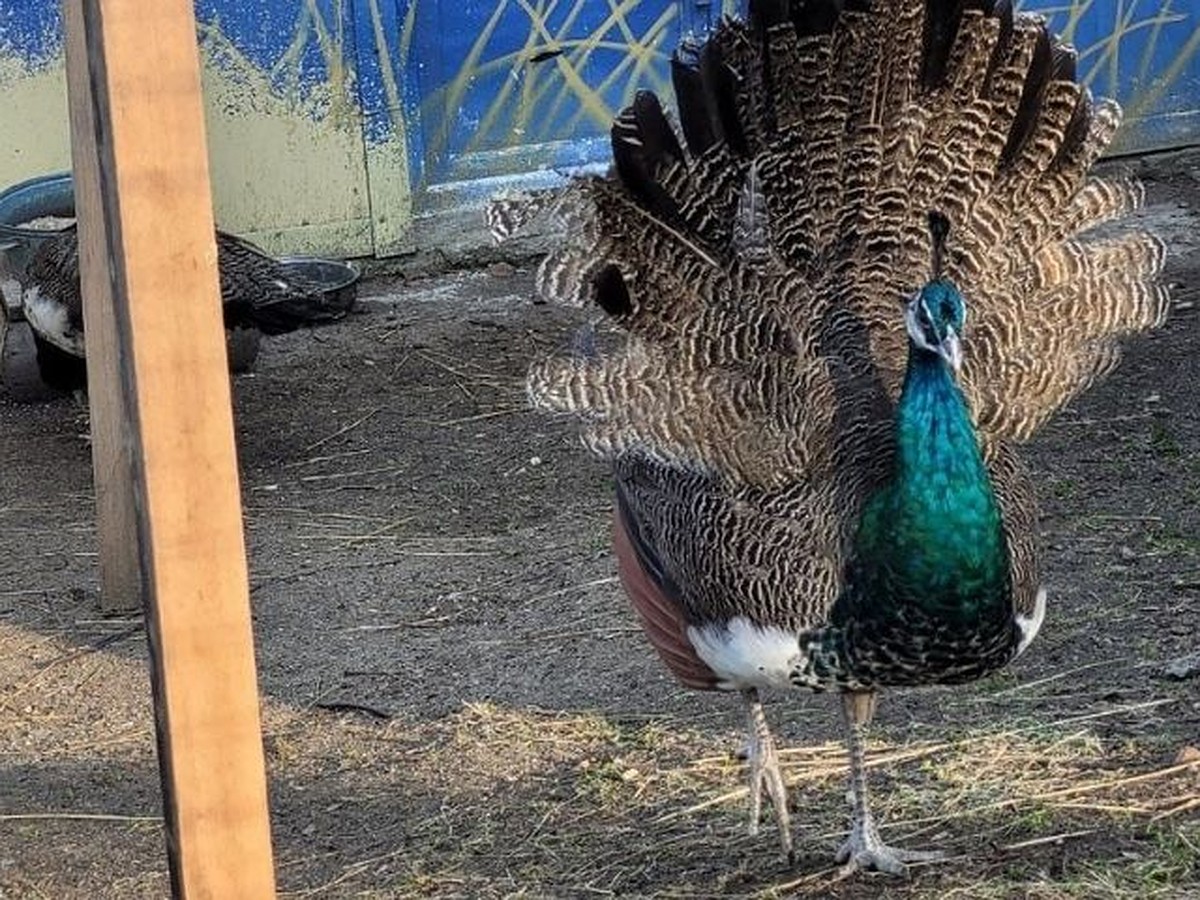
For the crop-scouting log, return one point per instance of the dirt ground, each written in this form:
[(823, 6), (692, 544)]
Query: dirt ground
[(457, 700)]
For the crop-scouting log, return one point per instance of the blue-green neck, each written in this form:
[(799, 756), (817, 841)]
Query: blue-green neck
[(938, 460), (927, 598), (932, 538)]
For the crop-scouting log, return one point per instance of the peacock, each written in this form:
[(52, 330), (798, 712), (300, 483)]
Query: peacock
[(258, 294), (867, 265)]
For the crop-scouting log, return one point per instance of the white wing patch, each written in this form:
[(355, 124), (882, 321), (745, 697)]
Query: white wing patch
[(745, 655), (48, 318), (1030, 625)]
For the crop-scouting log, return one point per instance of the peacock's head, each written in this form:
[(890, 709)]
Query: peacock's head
[(934, 317)]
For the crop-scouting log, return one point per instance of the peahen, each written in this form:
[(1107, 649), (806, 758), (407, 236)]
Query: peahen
[(258, 294), (865, 270)]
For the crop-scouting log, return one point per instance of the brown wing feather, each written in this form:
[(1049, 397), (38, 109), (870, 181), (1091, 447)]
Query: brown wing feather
[(661, 616)]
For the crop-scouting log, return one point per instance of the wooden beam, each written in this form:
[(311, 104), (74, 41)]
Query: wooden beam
[(164, 442), (113, 482)]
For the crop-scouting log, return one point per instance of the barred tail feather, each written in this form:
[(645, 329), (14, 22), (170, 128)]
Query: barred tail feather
[(784, 219)]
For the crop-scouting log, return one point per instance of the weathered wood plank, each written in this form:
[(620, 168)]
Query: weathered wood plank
[(165, 462), (116, 519)]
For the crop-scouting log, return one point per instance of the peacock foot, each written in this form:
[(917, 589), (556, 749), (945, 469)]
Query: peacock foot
[(766, 777), (864, 851)]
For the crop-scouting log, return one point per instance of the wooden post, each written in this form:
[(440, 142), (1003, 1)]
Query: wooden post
[(165, 465), (113, 483)]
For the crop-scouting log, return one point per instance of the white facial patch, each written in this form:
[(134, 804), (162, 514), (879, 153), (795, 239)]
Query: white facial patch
[(745, 655), (950, 349), (916, 305), (49, 319)]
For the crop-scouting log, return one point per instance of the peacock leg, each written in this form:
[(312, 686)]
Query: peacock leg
[(765, 775), (83, 415), (864, 849)]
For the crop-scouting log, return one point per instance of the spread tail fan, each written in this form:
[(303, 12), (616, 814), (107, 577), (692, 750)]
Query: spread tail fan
[(789, 209)]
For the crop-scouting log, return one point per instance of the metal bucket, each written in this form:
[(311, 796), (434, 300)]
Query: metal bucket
[(47, 195)]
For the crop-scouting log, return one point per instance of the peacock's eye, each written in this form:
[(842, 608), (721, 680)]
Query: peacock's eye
[(930, 332)]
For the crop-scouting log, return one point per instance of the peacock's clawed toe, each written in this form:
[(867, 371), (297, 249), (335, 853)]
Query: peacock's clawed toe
[(864, 851), (766, 777)]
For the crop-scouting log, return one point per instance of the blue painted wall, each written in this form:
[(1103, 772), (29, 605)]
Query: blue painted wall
[(476, 84), (1144, 53), (472, 91), (485, 77)]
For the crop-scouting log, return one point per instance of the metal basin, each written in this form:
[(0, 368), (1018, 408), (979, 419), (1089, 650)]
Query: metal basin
[(338, 280), (37, 198)]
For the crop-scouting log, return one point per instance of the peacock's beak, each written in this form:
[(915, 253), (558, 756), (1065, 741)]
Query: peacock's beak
[(951, 349)]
